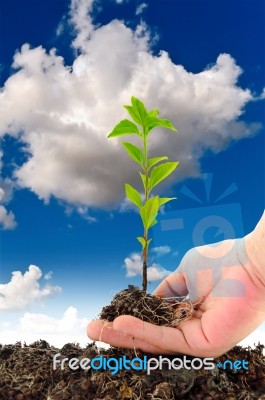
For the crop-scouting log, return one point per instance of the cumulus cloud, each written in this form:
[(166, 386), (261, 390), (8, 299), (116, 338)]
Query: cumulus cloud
[(70, 327), (67, 111), (134, 266), (161, 250), (81, 21), (48, 276), (7, 187), (126, 205), (7, 219), (141, 8), (258, 336), (157, 273), (41, 323), (83, 211), (262, 96), (24, 289)]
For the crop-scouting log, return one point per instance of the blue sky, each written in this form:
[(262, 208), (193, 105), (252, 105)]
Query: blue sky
[(62, 198)]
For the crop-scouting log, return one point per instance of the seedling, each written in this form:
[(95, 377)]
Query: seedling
[(151, 174)]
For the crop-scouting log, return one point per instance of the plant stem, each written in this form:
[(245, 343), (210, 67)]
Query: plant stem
[(145, 250)]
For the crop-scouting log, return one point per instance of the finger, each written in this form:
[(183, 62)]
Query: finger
[(188, 338), (173, 285), (197, 313), (166, 338), (96, 327), (103, 331)]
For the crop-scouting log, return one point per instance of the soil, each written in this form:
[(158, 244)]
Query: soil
[(26, 372), (153, 309)]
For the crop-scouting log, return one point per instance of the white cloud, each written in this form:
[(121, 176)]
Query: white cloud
[(7, 187), (60, 29), (255, 337), (67, 112), (141, 8), (156, 272), (161, 250), (83, 211), (126, 205), (24, 289), (48, 276), (81, 20), (57, 331), (41, 323), (7, 219), (262, 96), (134, 266), (69, 328)]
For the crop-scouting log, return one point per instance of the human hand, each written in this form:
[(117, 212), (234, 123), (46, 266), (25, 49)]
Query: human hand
[(228, 276)]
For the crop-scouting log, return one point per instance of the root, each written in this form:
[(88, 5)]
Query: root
[(152, 309)]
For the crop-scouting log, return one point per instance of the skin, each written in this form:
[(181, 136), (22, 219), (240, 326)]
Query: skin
[(227, 312)]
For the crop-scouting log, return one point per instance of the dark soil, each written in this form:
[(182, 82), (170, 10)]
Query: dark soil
[(153, 309), (26, 372)]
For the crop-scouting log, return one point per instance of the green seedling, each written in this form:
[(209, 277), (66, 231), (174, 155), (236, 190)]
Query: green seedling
[(151, 174)]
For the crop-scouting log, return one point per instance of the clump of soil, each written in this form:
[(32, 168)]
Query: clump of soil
[(26, 373), (153, 309)]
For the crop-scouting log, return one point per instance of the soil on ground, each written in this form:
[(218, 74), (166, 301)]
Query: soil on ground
[(27, 373)]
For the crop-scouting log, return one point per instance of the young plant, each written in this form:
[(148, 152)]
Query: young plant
[(151, 174)]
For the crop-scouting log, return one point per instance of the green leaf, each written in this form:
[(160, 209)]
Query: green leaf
[(161, 172), (164, 200), (156, 160), (144, 242), (152, 122), (124, 127), (143, 177), (133, 113), (153, 223), (148, 242), (149, 211), (139, 109), (153, 113), (134, 152), (133, 195)]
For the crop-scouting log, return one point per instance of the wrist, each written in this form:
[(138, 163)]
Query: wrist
[(255, 248)]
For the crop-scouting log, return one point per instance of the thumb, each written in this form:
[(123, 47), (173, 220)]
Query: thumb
[(173, 285)]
